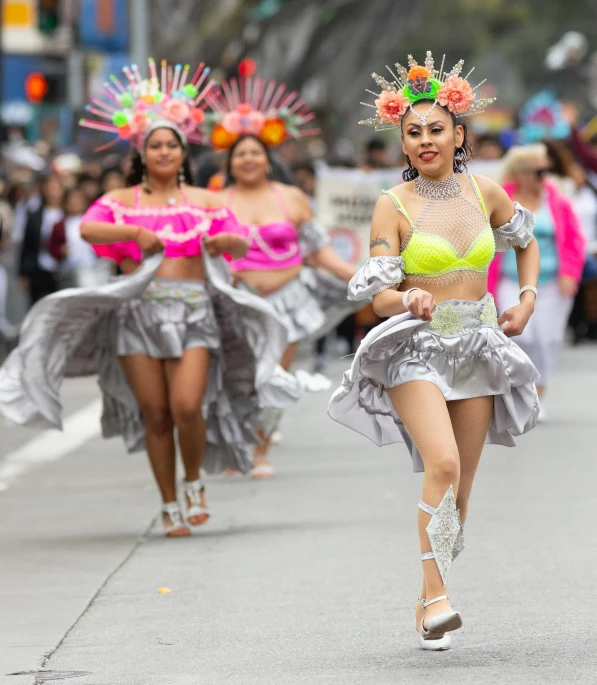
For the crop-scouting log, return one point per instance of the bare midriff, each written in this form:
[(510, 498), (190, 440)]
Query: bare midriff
[(172, 269), (473, 289), (267, 281)]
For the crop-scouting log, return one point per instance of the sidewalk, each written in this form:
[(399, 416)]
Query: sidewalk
[(311, 577)]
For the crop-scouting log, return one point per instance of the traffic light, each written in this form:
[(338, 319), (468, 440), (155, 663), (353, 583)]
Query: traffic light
[(47, 16), (36, 87)]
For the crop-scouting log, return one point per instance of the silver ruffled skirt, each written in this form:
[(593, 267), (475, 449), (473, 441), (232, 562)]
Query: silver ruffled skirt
[(310, 305), (81, 332), (462, 351), (169, 318)]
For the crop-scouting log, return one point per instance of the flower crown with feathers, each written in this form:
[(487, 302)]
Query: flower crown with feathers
[(448, 89), (145, 104), (247, 106)]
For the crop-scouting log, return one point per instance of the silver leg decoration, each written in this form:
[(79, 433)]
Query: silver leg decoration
[(459, 544), (270, 419), (443, 532)]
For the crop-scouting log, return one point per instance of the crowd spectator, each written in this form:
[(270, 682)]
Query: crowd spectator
[(376, 155), (562, 247), (38, 270), (488, 147), (75, 257)]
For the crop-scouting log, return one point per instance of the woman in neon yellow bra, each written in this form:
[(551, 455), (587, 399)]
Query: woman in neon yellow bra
[(441, 373)]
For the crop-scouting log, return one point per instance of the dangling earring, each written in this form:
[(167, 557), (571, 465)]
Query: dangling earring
[(460, 158), (410, 173), (144, 175), (181, 176)]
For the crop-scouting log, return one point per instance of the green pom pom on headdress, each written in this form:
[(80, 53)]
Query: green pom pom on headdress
[(127, 100), (421, 89), (190, 91), (120, 119)]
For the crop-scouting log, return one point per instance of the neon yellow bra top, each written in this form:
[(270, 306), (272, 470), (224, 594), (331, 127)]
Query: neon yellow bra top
[(451, 240)]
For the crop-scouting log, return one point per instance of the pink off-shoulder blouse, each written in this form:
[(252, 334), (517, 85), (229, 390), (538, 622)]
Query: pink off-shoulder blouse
[(180, 227)]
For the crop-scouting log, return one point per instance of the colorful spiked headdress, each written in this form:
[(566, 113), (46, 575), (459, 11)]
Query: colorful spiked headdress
[(141, 105), (247, 106), (424, 82)]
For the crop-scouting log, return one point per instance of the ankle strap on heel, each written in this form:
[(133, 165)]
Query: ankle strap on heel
[(426, 603)]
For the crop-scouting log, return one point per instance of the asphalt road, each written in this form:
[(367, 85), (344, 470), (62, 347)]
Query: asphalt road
[(309, 578)]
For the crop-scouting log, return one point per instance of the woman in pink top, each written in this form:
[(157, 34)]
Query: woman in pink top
[(171, 351), (562, 246), (279, 226)]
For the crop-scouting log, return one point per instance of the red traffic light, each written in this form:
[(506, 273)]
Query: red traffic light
[(36, 87), (247, 67)]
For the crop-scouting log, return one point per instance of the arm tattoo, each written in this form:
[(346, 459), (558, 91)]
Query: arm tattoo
[(379, 240)]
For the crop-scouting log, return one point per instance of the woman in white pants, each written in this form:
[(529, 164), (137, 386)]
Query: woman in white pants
[(562, 248)]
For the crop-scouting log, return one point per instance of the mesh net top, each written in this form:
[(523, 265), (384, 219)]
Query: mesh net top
[(450, 241)]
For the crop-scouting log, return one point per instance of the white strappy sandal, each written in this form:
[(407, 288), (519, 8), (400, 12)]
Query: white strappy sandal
[(442, 623), (177, 528), (262, 472), (193, 491), (429, 640)]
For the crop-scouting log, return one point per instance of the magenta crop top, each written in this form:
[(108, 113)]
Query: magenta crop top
[(180, 227), (271, 246)]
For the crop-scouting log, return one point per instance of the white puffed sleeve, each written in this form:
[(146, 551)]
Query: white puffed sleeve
[(518, 232), (377, 274), (312, 237)]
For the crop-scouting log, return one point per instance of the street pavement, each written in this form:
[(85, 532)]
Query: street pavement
[(311, 577)]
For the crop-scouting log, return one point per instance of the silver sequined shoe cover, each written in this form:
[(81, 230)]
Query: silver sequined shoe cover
[(459, 544), (443, 530)]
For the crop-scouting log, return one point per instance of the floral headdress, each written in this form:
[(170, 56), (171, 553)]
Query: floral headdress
[(448, 89), (247, 106), (145, 104)]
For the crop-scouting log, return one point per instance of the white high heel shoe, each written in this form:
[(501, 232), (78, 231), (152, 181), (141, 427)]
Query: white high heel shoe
[(429, 640), (177, 527), (192, 493)]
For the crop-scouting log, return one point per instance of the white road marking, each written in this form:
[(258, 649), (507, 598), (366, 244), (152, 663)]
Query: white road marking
[(51, 445)]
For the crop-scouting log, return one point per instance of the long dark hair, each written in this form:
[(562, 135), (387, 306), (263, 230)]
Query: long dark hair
[(229, 177), (461, 154), (138, 168)]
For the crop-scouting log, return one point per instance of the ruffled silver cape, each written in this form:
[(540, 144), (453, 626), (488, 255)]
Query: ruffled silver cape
[(73, 333)]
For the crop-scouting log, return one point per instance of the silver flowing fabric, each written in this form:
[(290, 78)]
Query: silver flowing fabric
[(518, 232), (312, 237), (75, 333), (329, 292), (295, 306), (462, 351), (377, 274), (169, 318)]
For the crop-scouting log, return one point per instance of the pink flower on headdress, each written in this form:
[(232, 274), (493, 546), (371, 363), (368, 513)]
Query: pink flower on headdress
[(244, 119), (138, 123), (176, 111), (456, 94), (391, 107)]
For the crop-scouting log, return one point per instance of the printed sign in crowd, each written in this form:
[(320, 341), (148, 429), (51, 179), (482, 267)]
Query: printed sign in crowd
[(346, 199)]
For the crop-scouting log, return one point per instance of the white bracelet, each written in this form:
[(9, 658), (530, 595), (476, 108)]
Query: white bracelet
[(405, 297), (527, 287)]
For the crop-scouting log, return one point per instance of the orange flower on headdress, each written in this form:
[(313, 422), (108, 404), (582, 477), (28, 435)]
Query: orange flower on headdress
[(391, 107), (273, 132), (418, 73), (216, 182), (456, 94), (222, 138)]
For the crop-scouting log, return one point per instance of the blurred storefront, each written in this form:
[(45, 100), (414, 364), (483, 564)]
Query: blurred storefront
[(54, 54)]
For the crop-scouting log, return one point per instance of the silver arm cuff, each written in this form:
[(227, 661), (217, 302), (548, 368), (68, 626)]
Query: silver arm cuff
[(518, 232), (377, 274), (312, 237)]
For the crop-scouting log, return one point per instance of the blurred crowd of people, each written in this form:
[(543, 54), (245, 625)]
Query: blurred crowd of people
[(41, 248)]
